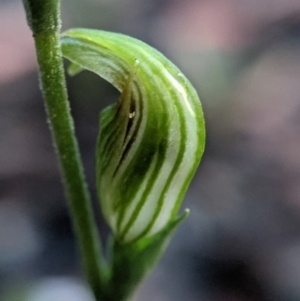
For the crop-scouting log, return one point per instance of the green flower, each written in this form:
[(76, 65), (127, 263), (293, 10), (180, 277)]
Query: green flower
[(150, 141)]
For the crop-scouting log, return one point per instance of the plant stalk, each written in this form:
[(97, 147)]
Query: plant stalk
[(44, 19)]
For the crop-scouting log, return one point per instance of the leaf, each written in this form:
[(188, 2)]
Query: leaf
[(132, 262)]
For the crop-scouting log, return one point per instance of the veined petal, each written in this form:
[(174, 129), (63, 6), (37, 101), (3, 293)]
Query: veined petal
[(150, 142)]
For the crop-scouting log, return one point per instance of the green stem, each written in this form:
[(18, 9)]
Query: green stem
[(44, 20)]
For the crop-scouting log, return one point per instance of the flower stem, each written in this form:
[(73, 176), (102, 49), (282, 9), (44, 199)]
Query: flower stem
[(44, 19)]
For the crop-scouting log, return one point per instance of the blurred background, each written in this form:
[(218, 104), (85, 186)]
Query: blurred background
[(242, 239)]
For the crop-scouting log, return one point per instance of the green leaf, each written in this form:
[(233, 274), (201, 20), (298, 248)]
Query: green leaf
[(132, 262), (150, 142)]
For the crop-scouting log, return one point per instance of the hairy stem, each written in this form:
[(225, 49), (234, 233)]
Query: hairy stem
[(44, 20)]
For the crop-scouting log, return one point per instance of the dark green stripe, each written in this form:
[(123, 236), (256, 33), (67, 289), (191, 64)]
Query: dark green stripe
[(115, 130), (199, 150), (174, 169), (124, 204), (136, 128), (149, 187), (133, 124), (161, 154)]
